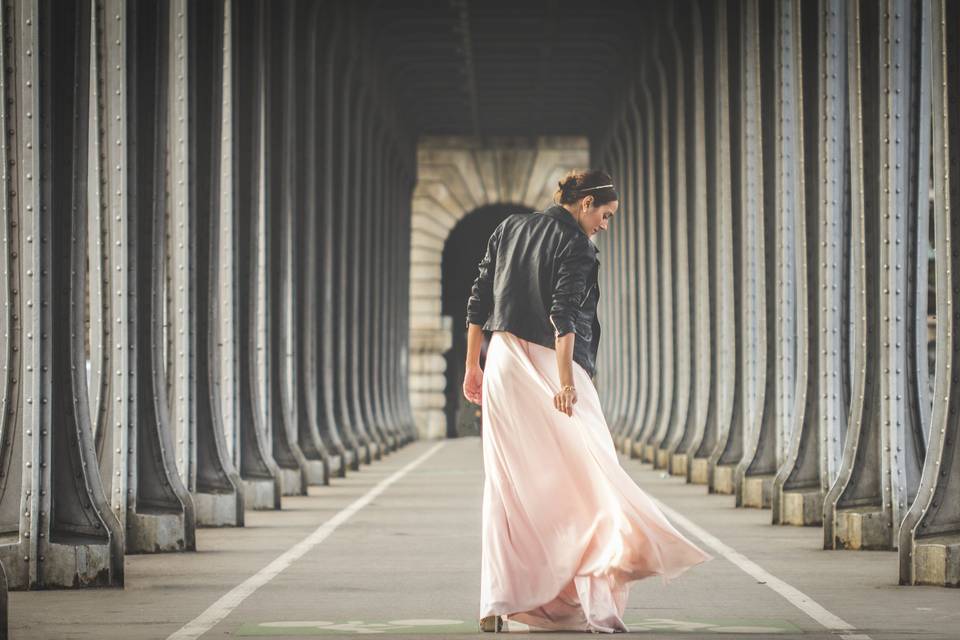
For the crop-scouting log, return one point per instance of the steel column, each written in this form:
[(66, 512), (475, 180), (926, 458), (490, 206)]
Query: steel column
[(215, 483), (257, 468), (695, 168), (725, 315), (753, 476), (667, 445), (929, 537)]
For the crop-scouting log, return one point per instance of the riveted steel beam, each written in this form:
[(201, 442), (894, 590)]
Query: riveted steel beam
[(338, 438), (631, 187), (214, 482), (307, 24), (624, 231), (406, 180), (159, 510), (617, 387), (879, 473), (258, 470), (698, 458), (753, 476), (691, 27), (929, 537), (638, 249), (724, 315), (60, 529), (280, 249), (374, 298), (344, 226), (821, 239), (664, 256), (110, 333), (361, 256), (792, 333), (647, 423), (680, 236)]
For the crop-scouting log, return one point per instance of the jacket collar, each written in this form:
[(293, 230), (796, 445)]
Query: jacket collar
[(558, 212)]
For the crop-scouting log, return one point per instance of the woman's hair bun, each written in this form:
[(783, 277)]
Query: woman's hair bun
[(578, 184)]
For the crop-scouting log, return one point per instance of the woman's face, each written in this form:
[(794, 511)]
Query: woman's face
[(594, 218)]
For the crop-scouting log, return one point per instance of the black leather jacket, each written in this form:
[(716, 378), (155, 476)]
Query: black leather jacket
[(538, 280)]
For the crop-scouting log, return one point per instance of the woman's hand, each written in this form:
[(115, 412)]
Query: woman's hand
[(473, 384), (565, 399)]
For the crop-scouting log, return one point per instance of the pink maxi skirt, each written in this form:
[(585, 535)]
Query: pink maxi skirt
[(565, 529)]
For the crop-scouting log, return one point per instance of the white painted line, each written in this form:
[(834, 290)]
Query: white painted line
[(793, 595), (232, 599)]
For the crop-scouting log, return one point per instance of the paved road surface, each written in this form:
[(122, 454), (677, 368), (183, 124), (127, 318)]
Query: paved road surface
[(393, 551)]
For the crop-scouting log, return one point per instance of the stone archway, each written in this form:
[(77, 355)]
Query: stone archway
[(456, 175)]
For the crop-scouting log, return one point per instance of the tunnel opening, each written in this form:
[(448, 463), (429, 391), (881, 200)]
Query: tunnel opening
[(462, 251)]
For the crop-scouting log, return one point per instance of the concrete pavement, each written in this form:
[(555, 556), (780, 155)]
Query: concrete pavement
[(404, 563)]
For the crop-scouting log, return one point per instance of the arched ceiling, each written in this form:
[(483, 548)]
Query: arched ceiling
[(509, 67)]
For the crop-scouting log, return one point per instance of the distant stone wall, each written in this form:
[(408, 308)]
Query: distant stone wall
[(457, 175)]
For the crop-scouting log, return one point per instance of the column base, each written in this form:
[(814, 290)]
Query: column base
[(862, 528), (291, 482), (315, 472), (663, 459), (69, 566), (802, 508), (757, 491), (649, 453), (936, 561), (156, 533), (261, 494), (723, 479), (218, 510), (678, 464), (699, 471)]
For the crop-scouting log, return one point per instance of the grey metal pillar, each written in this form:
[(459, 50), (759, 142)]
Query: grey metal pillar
[(691, 28), (791, 274), (929, 537), (615, 264), (679, 214), (400, 261), (625, 232), (381, 240), (215, 483), (257, 468), (309, 31), (160, 515), (714, 449), (638, 249), (753, 477), (715, 137), (647, 422), (368, 257), (362, 257), (339, 438), (818, 49), (627, 228), (664, 256), (345, 224), (280, 248), (61, 532), (879, 473)]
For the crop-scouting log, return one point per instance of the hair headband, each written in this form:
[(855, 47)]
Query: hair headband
[(602, 186)]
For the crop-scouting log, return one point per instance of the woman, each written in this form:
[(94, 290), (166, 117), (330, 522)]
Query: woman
[(565, 529)]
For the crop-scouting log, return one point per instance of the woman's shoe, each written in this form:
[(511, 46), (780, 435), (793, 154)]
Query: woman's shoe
[(491, 623)]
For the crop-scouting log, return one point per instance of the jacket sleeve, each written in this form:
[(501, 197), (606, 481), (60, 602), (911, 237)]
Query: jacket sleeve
[(575, 262), (480, 303)]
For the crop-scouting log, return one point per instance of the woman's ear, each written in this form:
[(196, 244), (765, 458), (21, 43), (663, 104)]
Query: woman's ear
[(587, 202)]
